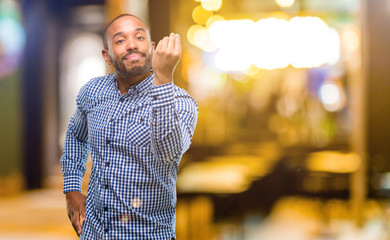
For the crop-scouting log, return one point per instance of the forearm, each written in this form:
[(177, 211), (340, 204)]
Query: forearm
[(75, 153), (73, 160), (173, 123)]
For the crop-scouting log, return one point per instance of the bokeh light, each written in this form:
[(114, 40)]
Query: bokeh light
[(191, 32), (285, 3), (309, 38), (201, 15), (211, 5), (334, 162), (270, 43), (332, 96), (350, 40), (234, 49), (12, 37), (213, 19)]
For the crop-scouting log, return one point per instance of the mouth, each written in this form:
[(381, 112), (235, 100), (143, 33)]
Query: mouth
[(135, 56)]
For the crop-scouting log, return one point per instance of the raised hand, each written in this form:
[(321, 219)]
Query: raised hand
[(165, 58)]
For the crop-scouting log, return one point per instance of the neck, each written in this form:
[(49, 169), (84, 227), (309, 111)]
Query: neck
[(126, 82)]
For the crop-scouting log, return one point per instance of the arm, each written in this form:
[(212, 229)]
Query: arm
[(173, 122), (73, 162), (174, 115), (75, 154)]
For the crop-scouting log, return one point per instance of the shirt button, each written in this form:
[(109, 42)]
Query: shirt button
[(105, 209), (107, 164), (111, 120), (108, 141), (106, 186), (154, 97), (122, 99), (106, 230)]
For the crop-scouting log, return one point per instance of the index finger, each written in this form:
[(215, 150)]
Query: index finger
[(76, 222), (177, 43), (172, 41)]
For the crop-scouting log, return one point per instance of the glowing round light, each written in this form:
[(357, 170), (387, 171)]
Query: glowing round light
[(204, 81), (350, 40), (12, 36), (309, 38), (303, 42), (330, 95), (213, 19), (270, 45), (234, 49), (81, 55), (252, 71), (202, 40), (84, 72), (212, 5), (201, 37), (200, 15), (224, 34), (192, 31), (332, 161), (232, 61), (285, 3), (333, 47)]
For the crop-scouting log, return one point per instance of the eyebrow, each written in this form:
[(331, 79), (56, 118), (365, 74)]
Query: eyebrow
[(136, 30)]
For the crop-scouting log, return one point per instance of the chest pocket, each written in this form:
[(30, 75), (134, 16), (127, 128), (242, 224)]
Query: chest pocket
[(138, 131)]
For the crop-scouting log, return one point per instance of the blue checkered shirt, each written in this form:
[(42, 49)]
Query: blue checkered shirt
[(136, 141)]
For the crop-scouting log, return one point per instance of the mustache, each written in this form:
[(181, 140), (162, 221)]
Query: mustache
[(132, 52)]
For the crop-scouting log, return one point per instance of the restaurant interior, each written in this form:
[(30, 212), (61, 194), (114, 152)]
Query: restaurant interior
[(292, 139)]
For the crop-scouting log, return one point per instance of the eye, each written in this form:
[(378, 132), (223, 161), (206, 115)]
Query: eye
[(140, 37), (119, 41)]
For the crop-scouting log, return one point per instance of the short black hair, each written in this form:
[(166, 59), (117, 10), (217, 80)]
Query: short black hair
[(105, 40)]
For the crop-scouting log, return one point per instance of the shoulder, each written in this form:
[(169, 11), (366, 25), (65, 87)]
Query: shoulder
[(95, 86)]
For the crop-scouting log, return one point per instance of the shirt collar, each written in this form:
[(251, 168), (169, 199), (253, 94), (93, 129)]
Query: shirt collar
[(145, 84), (140, 87)]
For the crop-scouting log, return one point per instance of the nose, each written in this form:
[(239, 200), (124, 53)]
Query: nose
[(131, 45)]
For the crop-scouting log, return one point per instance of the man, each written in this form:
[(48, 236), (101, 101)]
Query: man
[(137, 125)]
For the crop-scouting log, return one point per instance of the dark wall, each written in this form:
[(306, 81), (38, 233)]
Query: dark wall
[(159, 17), (45, 22), (376, 24)]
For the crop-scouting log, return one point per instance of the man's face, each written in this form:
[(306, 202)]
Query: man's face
[(129, 47)]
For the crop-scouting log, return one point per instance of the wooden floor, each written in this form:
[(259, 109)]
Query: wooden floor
[(39, 214)]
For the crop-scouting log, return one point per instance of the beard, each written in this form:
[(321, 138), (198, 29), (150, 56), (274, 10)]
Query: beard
[(138, 70)]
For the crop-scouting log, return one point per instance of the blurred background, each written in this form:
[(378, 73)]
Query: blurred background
[(292, 140)]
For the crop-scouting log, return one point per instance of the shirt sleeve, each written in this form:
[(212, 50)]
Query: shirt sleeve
[(174, 118), (76, 148)]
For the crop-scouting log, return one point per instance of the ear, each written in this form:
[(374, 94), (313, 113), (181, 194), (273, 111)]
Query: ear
[(106, 56), (152, 48)]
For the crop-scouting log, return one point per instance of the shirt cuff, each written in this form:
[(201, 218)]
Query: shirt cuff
[(163, 95), (72, 183)]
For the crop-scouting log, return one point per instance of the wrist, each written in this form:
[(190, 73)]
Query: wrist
[(161, 79)]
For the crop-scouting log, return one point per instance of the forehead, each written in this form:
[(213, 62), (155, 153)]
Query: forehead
[(126, 24)]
